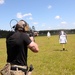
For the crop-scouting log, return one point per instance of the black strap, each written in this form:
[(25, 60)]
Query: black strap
[(22, 69)]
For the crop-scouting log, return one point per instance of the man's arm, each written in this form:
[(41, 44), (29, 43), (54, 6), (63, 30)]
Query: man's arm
[(32, 38), (33, 47)]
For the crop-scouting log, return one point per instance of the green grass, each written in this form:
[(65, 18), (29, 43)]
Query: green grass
[(2, 52), (50, 60)]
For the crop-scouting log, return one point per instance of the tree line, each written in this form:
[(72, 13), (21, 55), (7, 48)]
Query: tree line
[(56, 32), (4, 33)]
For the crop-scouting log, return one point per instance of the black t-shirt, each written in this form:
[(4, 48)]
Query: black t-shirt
[(16, 43)]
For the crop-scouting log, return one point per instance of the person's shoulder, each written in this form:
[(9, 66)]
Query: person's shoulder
[(9, 34), (23, 34)]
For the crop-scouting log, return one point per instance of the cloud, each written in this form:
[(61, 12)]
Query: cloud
[(57, 17), (63, 23), (43, 24), (49, 28), (1, 1), (30, 18), (49, 7), (20, 15), (74, 23), (35, 23), (29, 14)]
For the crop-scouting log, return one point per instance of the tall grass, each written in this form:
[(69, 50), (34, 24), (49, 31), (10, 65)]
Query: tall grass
[(51, 59), (2, 52)]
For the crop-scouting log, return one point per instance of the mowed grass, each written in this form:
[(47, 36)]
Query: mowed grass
[(50, 60)]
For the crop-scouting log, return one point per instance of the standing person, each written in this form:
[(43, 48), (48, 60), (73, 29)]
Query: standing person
[(17, 44), (63, 39), (48, 34)]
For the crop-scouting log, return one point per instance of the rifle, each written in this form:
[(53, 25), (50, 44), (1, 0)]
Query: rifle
[(31, 35)]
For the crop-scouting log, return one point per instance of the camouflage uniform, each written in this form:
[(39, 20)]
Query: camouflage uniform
[(19, 70), (7, 71)]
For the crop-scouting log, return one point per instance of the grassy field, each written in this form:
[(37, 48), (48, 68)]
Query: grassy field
[(50, 60)]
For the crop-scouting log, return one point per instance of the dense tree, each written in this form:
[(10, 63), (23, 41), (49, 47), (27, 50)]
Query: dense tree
[(3, 33)]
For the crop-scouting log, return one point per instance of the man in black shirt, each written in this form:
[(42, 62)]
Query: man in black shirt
[(17, 44)]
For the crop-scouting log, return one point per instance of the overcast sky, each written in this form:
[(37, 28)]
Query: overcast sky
[(42, 14)]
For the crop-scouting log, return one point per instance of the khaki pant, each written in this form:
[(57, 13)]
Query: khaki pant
[(18, 72), (6, 70)]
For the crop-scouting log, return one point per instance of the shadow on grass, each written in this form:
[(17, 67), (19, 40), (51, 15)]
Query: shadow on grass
[(60, 50)]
